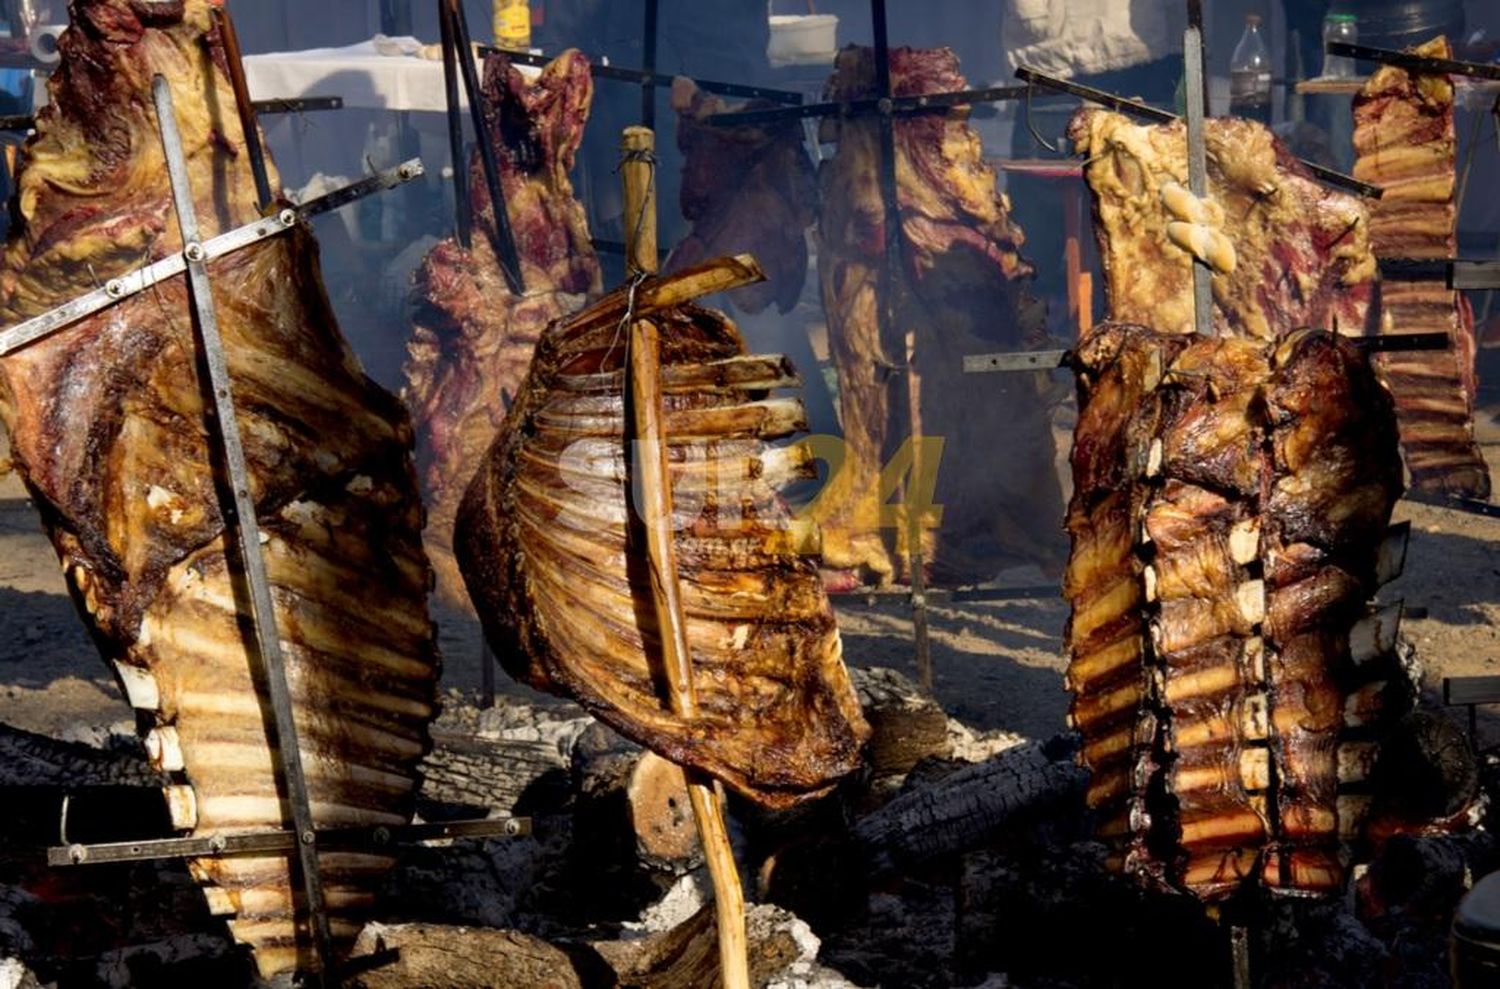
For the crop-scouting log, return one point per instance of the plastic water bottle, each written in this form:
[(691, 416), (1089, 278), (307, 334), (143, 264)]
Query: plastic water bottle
[(1343, 28), (1250, 74)]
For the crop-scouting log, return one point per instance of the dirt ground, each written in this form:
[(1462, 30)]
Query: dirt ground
[(997, 665)]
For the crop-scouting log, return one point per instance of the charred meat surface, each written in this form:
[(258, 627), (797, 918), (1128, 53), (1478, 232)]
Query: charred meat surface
[(107, 425), (1230, 500), (1405, 141), (544, 542), (745, 190), (1302, 251), (473, 337), (959, 290)]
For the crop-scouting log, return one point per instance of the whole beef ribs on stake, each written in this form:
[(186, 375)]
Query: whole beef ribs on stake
[(106, 424), (1230, 499), (745, 190), (1300, 251), (1404, 136), (544, 540), (960, 290), (473, 338)]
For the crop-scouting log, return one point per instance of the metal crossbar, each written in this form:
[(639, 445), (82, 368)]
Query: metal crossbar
[(133, 283), (1157, 115)]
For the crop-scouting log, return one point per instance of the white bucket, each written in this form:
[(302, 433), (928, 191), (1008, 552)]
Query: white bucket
[(803, 39)]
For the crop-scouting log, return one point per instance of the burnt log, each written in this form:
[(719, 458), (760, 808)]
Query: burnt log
[(963, 809), (29, 759)]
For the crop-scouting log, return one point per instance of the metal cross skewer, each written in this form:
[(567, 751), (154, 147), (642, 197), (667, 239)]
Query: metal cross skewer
[(119, 289), (1157, 115), (599, 70), (226, 431), (262, 108), (900, 106), (1051, 360), (1417, 63)]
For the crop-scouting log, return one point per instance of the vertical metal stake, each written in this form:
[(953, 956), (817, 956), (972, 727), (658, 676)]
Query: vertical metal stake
[(462, 208), (1239, 949), (893, 342), (225, 429), (249, 124), (1193, 90), (487, 663), (505, 240), (648, 87)]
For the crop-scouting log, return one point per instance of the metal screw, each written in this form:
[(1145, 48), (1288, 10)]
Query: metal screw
[(288, 218), (886, 106), (78, 854), (512, 827), (114, 288), (380, 836), (308, 837), (406, 172), (194, 252), (217, 844)]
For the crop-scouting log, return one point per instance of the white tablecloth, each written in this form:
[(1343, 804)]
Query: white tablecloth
[(363, 76)]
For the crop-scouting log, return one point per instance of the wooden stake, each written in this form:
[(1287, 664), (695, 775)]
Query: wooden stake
[(656, 510), (637, 169)]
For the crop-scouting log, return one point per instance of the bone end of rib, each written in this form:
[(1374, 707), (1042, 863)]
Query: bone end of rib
[(141, 690), (1255, 718), (1250, 597), (1255, 769), (1244, 541), (1255, 658), (182, 807), (220, 901), (1375, 635), (164, 749), (1154, 458), (1356, 761), (1391, 560)]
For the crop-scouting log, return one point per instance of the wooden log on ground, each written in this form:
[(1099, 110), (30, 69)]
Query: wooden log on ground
[(906, 725), (963, 809), (399, 956), (631, 807), (520, 770), (1426, 774), (687, 957)]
